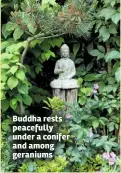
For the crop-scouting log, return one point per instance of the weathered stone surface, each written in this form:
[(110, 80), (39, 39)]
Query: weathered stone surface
[(65, 68)]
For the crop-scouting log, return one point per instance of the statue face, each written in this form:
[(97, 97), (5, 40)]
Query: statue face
[(65, 53)]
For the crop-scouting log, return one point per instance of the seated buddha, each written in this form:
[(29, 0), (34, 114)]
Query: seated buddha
[(65, 68)]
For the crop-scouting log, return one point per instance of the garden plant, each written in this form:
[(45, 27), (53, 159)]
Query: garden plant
[(32, 34)]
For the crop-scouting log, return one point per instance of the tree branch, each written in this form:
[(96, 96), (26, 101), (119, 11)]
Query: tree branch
[(38, 36), (109, 63), (21, 107), (24, 52), (52, 36)]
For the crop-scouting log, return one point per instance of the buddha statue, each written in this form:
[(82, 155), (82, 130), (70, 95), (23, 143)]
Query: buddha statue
[(65, 68)]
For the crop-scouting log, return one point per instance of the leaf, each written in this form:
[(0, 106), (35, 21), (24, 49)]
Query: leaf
[(111, 126), (35, 42), (104, 138), (104, 119), (117, 75), (86, 90), (116, 17), (17, 33), (112, 144), (104, 33), (38, 69), (95, 124), (12, 82), (5, 66), (107, 148), (98, 25), (13, 69), (3, 76), (113, 29), (56, 42), (75, 128), (76, 48), (15, 48), (3, 4), (31, 27), (50, 53), (10, 26), (31, 166), (113, 3), (78, 60), (18, 63), (82, 100), (116, 66), (3, 85), (80, 134), (101, 48), (6, 56), (7, 43), (107, 13), (101, 122), (23, 88), (90, 47), (6, 124), (59, 150), (5, 33), (3, 95), (90, 77), (94, 52), (75, 155), (52, 2), (37, 98), (4, 105), (80, 80), (13, 101), (89, 66), (114, 54), (27, 100), (20, 74)]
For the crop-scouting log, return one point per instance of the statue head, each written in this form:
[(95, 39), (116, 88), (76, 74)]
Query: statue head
[(64, 50)]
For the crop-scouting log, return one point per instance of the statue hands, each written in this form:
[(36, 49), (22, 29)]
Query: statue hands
[(58, 71), (64, 77)]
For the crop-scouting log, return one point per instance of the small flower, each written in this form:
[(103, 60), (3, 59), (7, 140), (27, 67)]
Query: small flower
[(106, 155), (94, 91), (90, 133), (111, 161), (68, 116), (96, 86), (113, 155), (76, 140)]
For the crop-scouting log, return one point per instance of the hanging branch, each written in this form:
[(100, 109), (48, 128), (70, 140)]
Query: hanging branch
[(109, 63)]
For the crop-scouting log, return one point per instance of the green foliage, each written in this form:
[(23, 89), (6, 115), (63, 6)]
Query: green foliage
[(111, 168), (93, 125), (74, 17), (7, 164), (92, 164), (56, 165), (107, 25), (54, 104), (112, 55), (14, 82), (76, 48)]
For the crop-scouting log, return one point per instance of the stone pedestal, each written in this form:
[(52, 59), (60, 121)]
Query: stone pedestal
[(67, 95)]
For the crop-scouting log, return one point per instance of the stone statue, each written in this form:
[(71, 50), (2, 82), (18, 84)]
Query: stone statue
[(65, 68)]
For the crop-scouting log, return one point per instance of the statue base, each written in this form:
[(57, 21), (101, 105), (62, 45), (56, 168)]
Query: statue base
[(67, 95)]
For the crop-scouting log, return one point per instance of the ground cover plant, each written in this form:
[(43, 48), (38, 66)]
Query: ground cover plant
[(32, 34)]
